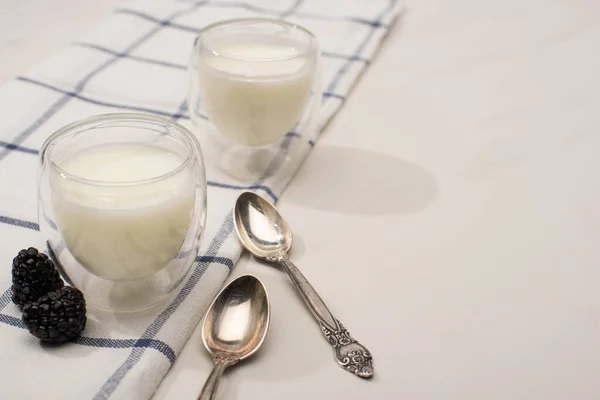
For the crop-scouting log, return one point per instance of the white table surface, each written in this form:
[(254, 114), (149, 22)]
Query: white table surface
[(450, 216)]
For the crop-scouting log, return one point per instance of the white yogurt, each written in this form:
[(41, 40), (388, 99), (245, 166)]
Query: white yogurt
[(254, 91), (117, 229)]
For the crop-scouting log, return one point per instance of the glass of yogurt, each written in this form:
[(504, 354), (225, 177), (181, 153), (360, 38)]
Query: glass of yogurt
[(122, 206), (254, 83)]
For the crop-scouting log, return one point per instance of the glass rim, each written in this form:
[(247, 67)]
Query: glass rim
[(85, 123), (252, 20)]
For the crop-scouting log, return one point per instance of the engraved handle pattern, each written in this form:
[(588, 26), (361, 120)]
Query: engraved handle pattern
[(350, 354)]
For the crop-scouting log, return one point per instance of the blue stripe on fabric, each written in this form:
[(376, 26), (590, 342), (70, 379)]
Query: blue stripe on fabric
[(373, 24), (101, 103), (13, 321), (155, 344), (215, 260), (113, 382), (15, 147), (334, 95), (19, 222), (6, 298), (182, 109), (329, 54)]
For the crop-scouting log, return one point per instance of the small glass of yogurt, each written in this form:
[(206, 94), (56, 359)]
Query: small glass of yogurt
[(122, 206), (253, 83)]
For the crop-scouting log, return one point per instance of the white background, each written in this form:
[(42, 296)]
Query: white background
[(450, 216)]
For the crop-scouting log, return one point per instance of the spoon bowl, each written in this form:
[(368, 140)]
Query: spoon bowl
[(238, 320), (260, 227), (235, 326)]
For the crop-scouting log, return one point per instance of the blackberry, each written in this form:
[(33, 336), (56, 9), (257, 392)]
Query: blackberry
[(33, 275), (57, 316)]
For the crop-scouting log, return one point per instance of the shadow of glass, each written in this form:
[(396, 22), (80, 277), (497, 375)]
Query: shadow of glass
[(354, 181)]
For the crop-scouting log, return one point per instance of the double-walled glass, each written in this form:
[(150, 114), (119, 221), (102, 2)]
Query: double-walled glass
[(253, 81), (122, 206)]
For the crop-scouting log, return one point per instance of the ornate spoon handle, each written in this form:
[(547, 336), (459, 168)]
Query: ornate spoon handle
[(350, 354)]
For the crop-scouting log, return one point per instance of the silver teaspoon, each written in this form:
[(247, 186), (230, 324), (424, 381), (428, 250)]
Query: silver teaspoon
[(235, 326), (264, 232)]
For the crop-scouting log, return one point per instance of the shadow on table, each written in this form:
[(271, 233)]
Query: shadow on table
[(354, 181)]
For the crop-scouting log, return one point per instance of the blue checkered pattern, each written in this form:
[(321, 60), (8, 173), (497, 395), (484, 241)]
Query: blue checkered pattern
[(137, 62)]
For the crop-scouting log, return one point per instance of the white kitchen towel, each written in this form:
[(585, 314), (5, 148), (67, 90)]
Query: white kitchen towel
[(136, 61)]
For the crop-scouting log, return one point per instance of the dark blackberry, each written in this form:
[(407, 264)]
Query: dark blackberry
[(33, 275), (56, 317)]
